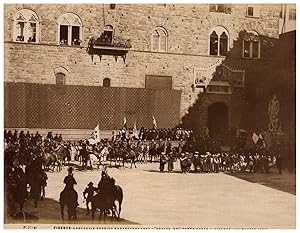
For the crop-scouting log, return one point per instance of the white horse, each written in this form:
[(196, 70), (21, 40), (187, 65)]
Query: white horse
[(98, 159)]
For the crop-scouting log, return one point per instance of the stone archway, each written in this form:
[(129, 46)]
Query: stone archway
[(217, 119)]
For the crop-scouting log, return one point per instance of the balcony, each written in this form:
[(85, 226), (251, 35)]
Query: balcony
[(104, 45)]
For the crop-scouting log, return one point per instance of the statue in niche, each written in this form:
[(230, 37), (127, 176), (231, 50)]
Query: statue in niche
[(273, 111)]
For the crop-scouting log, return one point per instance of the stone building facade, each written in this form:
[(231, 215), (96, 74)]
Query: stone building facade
[(167, 40)]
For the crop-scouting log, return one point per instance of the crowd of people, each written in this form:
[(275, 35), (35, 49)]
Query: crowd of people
[(196, 147), (193, 152), (220, 162), (163, 133)]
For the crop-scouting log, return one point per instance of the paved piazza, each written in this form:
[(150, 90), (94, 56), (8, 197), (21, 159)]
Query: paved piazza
[(187, 200)]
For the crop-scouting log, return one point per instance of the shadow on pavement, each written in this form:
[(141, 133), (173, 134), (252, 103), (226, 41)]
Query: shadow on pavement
[(285, 182), (48, 212)]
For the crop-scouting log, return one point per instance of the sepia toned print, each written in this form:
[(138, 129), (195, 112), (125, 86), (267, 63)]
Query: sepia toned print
[(163, 116)]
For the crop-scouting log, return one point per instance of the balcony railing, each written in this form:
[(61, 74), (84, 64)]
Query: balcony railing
[(109, 46), (116, 42)]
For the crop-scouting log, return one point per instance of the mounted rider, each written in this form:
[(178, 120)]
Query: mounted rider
[(69, 180), (107, 190), (105, 179)]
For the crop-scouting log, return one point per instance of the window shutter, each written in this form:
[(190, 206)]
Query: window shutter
[(256, 11), (212, 7)]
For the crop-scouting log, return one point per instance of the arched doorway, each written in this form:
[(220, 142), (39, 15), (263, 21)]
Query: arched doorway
[(217, 119)]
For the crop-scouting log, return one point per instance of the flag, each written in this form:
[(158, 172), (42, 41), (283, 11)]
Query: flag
[(255, 138), (260, 136), (95, 135), (135, 133), (125, 123), (154, 123)]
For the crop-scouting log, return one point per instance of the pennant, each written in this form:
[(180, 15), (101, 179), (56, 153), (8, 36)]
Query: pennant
[(135, 132), (125, 123), (95, 136), (255, 138), (260, 136), (154, 122)]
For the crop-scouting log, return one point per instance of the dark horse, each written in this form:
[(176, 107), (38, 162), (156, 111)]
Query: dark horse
[(129, 155), (68, 197), (35, 178), (16, 189), (61, 154), (50, 161), (105, 200)]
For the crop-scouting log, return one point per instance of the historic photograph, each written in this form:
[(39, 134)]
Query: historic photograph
[(149, 116)]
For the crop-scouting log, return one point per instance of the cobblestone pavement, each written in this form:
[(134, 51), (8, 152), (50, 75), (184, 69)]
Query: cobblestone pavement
[(176, 199)]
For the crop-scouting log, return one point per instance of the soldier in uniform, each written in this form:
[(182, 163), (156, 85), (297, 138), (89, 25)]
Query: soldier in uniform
[(49, 136), (152, 150), (56, 138), (279, 163), (170, 161), (162, 161), (169, 146), (183, 157), (196, 162)]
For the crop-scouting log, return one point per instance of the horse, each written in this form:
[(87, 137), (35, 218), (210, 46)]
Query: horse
[(94, 158), (16, 188), (85, 156), (36, 179), (104, 152), (50, 160), (129, 154), (114, 155), (105, 200), (68, 197), (61, 154)]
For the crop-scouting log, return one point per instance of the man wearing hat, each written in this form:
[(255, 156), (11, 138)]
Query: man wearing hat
[(196, 162), (89, 190), (183, 164), (69, 179), (170, 161), (206, 161), (162, 161)]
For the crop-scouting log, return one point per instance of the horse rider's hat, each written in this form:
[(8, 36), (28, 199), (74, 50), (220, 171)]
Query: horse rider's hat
[(70, 170)]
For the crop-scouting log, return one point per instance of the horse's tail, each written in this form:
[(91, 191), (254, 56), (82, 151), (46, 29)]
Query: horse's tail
[(119, 197)]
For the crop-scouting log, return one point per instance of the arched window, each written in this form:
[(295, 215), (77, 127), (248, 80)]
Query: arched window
[(223, 44), (26, 26), (214, 43), (69, 29), (218, 41), (251, 45), (106, 82), (60, 78), (159, 40)]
